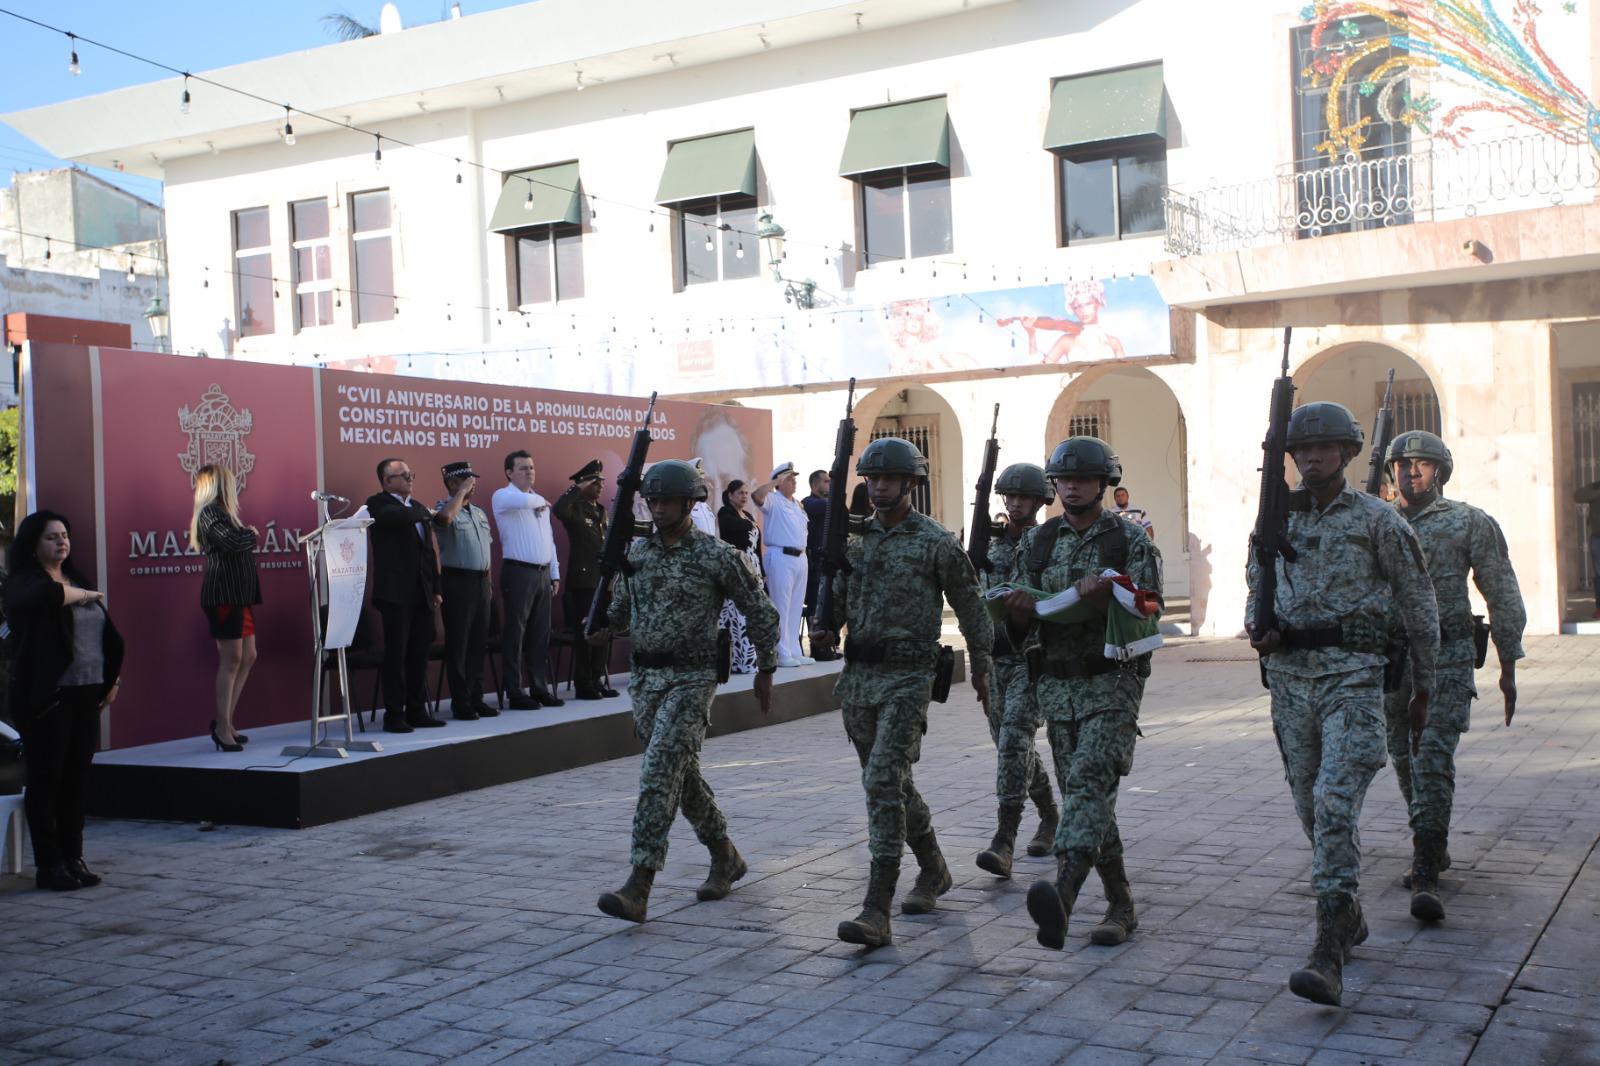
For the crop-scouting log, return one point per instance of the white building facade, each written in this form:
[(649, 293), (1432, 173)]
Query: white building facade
[(1098, 215)]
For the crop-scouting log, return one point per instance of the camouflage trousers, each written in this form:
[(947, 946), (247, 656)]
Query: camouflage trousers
[(885, 715), (1330, 734), (1428, 778), (1092, 754), (1013, 714), (670, 716)]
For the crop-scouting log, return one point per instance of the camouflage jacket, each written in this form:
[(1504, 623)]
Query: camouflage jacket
[(1077, 555), (1002, 549), (1357, 560), (1457, 537), (898, 580), (671, 599)]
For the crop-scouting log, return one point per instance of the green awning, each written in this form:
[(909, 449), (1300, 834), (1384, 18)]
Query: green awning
[(721, 165), (1111, 105), (897, 135), (555, 198)]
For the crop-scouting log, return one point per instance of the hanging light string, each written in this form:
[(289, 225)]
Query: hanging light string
[(653, 211)]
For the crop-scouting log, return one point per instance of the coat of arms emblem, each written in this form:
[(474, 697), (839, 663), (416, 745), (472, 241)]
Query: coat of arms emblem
[(347, 551), (216, 435)]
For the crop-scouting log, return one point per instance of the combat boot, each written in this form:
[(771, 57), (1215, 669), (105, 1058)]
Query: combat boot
[(1444, 860), (1120, 919), (727, 866), (1322, 978), (629, 901), (933, 876), (871, 926), (1044, 838), (1050, 902), (1426, 906), (1356, 931), (997, 859)]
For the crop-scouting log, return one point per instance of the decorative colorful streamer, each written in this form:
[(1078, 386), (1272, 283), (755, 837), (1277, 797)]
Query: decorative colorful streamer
[(1464, 41)]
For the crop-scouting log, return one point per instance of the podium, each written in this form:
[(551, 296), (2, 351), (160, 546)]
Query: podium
[(336, 568)]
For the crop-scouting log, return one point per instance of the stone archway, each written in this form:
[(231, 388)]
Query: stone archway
[(1135, 411), (922, 415), (1354, 374)]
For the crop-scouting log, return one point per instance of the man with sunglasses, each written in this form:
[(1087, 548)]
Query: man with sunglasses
[(405, 589)]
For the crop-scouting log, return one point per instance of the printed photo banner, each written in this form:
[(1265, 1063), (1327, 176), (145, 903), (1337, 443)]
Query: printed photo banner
[(154, 420)]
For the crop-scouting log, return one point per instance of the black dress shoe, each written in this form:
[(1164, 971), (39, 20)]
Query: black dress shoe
[(395, 725), (521, 702), (87, 878), (466, 714), (590, 696), (608, 692), (56, 878), (550, 700), (424, 721), (486, 711)]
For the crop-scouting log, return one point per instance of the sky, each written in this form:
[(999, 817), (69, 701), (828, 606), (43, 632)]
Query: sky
[(187, 34)]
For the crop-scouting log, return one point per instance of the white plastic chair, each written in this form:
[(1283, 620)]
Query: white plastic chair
[(11, 820)]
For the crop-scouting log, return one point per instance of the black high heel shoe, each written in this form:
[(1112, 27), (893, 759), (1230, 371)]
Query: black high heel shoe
[(87, 878), (218, 741), (238, 737)]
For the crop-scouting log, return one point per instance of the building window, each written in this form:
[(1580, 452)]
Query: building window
[(1090, 418), (1416, 406), (549, 264), (372, 253), (905, 214), (1108, 195), (252, 267), (717, 235), (313, 264)]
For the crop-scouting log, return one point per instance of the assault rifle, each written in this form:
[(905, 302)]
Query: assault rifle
[(619, 533), (982, 527), (836, 525), (1271, 537), (1382, 434)]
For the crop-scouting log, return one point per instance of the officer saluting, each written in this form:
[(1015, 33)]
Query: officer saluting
[(902, 568), (1456, 538), (1355, 558), (580, 513)]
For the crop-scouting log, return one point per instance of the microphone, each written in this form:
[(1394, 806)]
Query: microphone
[(328, 497)]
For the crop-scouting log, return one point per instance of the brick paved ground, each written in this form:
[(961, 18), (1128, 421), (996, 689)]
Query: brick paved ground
[(463, 930)]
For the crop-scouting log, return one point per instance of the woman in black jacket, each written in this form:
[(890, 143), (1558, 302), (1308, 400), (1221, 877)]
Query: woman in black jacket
[(228, 591), (66, 657)]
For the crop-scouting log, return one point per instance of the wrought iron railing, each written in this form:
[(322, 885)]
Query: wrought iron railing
[(1315, 197)]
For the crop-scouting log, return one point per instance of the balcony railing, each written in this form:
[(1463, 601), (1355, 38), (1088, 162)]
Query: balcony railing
[(1316, 198)]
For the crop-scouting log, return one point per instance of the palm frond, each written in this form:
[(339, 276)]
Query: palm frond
[(347, 27)]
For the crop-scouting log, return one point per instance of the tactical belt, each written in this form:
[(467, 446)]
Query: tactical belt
[(1328, 636), (1072, 669), (907, 651), (660, 660)]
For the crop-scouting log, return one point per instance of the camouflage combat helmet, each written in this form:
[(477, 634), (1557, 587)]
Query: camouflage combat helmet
[(673, 478), (1420, 444), (1024, 479), (1084, 457), (1323, 422), (892, 455)]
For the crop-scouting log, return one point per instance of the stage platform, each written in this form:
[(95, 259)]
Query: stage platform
[(189, 780)]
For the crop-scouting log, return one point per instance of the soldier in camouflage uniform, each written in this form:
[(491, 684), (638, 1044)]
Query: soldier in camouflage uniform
[(901, 568), (1456, 538), (668, 601), (1090, 702), (1324, 663), (1013, 709)]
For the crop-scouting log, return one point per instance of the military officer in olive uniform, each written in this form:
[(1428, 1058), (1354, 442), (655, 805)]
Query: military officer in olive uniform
[(580, 513), (903, 566), (1355, 559), (1013, 709), (1456, 538), (1090, 702), (668, 600)]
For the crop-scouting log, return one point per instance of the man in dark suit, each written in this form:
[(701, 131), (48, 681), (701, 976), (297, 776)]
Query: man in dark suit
[(405, 589), (816, 506), (585, 521)]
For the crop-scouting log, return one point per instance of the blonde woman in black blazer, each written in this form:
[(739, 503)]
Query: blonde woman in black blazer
[(228, 592)]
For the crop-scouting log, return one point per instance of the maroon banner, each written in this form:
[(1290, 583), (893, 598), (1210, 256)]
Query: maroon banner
[(163, 417)]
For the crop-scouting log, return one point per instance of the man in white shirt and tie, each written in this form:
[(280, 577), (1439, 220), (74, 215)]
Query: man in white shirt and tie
[(784, 530), (530, 578)]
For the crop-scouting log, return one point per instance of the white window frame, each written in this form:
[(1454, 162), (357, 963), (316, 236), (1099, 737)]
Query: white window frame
[(296, 245), (238, 273), (681, 266), (905, 215), (356, 236)]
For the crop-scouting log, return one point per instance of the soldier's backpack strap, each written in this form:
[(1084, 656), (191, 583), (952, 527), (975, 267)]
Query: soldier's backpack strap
[(1044, 542), (1114, 553)]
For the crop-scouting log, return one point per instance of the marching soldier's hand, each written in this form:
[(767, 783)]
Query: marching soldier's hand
[(980, 685), (599, 637), (763, 688), (1417, 709), (1267, 643), (1508, 686), (1095, 589)]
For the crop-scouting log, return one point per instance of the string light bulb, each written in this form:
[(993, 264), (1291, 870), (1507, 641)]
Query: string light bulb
[(458, 170), (710, 246), (377, 150), (581, 85), (73, 66), (183, 101), (738, 250), (288, 127), (527, 205)]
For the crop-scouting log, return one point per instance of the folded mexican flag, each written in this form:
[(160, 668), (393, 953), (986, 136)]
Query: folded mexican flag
[(1131, 626)]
